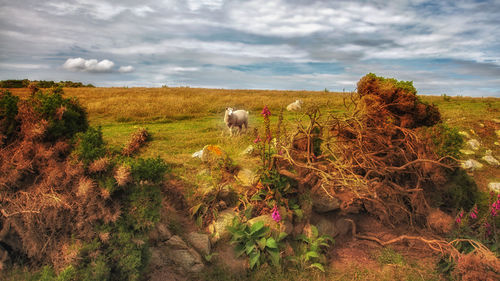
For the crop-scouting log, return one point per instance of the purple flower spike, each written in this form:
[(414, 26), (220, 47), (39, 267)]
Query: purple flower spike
[(275, 214)]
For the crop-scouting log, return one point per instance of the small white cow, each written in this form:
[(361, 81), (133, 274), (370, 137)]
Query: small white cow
[(294, 106), (236, 118)]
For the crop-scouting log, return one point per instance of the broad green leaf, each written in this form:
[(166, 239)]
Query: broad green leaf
[(282, 236), (249, 246), (254, 258), (274, 254), (271, 243), (261, 232), (239, 249), (262, 243), (318, 266), (256, 227)]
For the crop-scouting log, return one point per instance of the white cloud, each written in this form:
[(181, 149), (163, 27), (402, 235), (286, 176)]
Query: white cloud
[(126, 69), (91, 65), (23, 66)]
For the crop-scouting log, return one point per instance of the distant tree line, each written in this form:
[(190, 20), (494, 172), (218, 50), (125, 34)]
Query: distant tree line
[(41, 84)]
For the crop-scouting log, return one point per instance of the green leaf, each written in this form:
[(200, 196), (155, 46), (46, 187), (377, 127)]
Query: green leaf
[(282, 236), (239, 249), (298, 213), (262, 243), (274, 254), (314, 231), (256, 227), (249, 246), (254, 258), (248, 212), (311, 254), (261, 232), (195, 209), (271, 243), (318, 266)]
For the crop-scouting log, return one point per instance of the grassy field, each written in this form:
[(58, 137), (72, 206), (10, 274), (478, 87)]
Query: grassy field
[(184, 120)]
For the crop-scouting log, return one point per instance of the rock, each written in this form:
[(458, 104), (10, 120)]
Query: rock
[(474, 144), (248, 151), (283, 226), (247, 177), (180, 254), (343, 226), (163, 232), (481, 125), (465, 134), (157, 259), (472, 165), (200, 242), (175, 242), (188, 259), (198, 154), (323, 203), (4, 258), (218, 227), (441, 222), (498, 133), (326, 227), (496, 120), (496, 143), (467, 152), (494, 186), (491, 160)]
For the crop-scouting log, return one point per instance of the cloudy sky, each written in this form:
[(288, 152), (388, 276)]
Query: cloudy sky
[(450, 47)]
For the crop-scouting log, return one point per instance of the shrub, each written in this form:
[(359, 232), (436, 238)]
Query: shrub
[(66, 116), (90, 145), (460, 192), (150, 169), (8, 112), (447, 141), (144, 209)]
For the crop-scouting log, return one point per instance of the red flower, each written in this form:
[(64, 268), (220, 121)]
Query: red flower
[(265, 111)]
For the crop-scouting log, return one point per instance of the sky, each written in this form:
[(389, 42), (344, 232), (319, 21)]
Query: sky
[(445, 47)]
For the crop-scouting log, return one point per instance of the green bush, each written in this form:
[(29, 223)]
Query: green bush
[(144, 209), (446, 139), (66, 116), (8, 112), (90, 145), (460, 192), (150, 169)]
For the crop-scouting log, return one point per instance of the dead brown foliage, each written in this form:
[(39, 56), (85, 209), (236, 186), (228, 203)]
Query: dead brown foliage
[(477, 267), (137, 140), (375, 154), (45, 197)]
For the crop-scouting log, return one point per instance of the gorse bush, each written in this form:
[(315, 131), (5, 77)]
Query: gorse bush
[(446, 139), (8, 112), (150, 169), (66, 116), (90, 145)]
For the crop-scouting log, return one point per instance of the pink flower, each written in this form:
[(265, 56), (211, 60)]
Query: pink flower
[(257, 140), (473, 214), (459, 218), (265, 111), (275, 214)]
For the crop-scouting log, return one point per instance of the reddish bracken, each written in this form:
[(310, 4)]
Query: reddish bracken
[(137, 140)]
